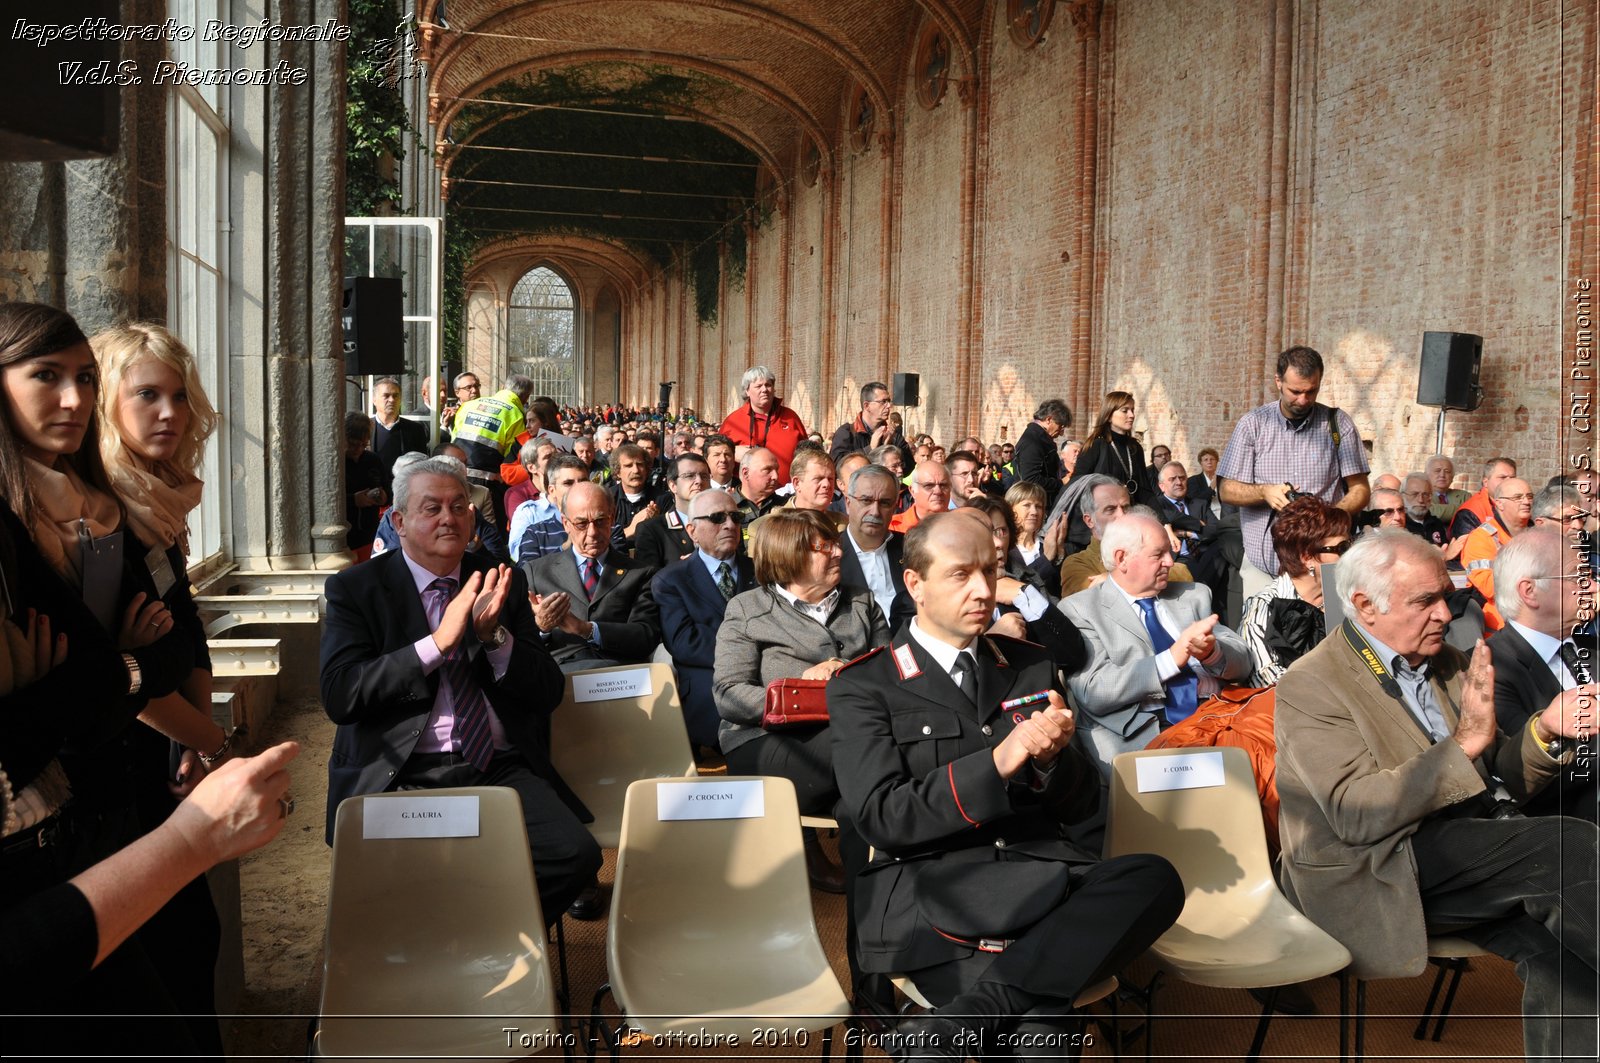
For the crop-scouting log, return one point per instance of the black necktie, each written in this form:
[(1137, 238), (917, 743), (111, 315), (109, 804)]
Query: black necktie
[(962, 674), (1574, 663)]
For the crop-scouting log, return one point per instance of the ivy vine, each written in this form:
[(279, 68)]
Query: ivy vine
[(376, 122)]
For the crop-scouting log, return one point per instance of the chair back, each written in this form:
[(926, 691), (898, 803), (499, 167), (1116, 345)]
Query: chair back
[(1212, 835), (711, 920), (600, 746), (434, 945)]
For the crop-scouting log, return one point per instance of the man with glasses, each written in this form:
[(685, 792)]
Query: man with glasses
[(872, 553), (1536, 655), (592, 603), (1388, 507), (664, 539), (871, 428), (693, 595), (466, 389), (1416, 493), (930, 494), (1513, 513)]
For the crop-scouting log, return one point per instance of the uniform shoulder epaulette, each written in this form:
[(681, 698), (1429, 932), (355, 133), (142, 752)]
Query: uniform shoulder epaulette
[(865, 656)]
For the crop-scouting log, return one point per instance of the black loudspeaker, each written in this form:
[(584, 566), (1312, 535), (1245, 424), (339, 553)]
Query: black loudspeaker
[(60, 90), (907, 389), (1448, 376), (664, 395), (374, 332)]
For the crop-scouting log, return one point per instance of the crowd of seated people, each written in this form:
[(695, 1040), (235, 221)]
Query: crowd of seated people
[(910, 584)]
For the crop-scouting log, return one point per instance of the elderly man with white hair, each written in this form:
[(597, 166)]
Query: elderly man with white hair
[(1389, 763), (1420, 518), (1156, 649), (1536, 655), (762, 420)]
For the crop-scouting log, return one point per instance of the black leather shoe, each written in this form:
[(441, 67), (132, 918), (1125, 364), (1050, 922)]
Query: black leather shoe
[(590, 903), (1291, 1000), (929, 1039)]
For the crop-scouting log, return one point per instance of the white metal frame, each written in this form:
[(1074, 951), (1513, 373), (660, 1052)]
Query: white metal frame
[(434, 227)]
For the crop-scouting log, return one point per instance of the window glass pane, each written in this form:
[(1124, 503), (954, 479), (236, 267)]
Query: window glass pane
[(540, 323)]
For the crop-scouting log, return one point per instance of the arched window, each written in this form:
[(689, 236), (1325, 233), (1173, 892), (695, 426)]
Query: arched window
[(542, 342)]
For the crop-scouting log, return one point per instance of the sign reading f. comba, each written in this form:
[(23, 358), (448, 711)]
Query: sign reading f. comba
[(743, 799)]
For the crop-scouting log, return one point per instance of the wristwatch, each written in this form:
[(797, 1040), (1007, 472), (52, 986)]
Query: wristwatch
[(135, 677), (498, 638)]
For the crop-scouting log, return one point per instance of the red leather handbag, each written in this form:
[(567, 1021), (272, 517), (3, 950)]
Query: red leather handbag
[(795, 703)]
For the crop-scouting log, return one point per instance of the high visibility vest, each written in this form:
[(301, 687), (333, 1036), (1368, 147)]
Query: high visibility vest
[(495, 421)]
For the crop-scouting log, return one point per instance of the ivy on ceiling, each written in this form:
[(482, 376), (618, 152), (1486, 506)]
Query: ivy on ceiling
[(603, 151), (376, 123)]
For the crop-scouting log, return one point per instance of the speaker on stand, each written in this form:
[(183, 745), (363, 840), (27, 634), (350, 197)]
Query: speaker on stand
[(1448, 375), (906, 392)]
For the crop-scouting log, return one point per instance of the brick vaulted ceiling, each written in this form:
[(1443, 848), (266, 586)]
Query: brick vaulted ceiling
[(556, 116)]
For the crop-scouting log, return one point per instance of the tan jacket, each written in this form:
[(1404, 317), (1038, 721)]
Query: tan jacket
[(1356, 776)]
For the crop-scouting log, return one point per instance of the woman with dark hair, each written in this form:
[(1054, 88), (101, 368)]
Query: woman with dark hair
[(115, 652), (1111, 450), (1284, 620), (798, 623)]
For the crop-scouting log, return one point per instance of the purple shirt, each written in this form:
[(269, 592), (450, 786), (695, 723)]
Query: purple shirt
[(437, 736), (1268, 448)]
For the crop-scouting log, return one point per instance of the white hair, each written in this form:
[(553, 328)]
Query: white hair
[(1368, 566), (424, 466), (754, 373), (1128, 534), (1535, 554)]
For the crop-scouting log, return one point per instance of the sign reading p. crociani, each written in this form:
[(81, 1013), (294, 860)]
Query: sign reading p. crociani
[(736, 799)]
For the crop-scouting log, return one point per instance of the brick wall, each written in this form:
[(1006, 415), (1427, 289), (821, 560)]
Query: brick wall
[(1337, 173)]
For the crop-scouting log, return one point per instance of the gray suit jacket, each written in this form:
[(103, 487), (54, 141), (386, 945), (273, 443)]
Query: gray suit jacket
[(763, 638), (1119, 691)]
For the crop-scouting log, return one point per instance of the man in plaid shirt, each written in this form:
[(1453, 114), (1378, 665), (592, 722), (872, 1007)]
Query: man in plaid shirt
[(1290, 447)]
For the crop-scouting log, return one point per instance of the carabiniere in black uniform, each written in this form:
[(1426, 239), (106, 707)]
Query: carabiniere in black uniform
[(972, 880)]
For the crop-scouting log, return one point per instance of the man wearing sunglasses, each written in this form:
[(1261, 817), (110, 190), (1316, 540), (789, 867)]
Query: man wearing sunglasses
[(1388, 506), (692, 595)]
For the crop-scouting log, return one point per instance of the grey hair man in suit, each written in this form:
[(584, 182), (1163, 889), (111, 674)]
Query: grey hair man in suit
[(592, 603), (1537, 655), (1156, 649), (1388, 759)]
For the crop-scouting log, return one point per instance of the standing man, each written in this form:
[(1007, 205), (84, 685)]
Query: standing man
[(488, 431), (392, 434), (871, 428), (434, 672), (1388, 760), (968, 828), (1036, 457), (466, 389), (872, 555), (724, 467), (693, 596), (764, 421), (1293, 446)]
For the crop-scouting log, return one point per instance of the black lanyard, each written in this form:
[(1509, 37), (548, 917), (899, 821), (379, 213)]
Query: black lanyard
[(1391, 686)]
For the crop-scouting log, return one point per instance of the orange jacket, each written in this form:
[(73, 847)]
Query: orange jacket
[(1477, 557), (779, 431)]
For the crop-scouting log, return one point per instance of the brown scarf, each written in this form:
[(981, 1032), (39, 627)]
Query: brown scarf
[(158, 511), (64, 500)]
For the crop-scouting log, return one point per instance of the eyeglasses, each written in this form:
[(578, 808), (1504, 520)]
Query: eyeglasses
[(1392, 511), (1514, 498), (1570, 518), (941, 485), (719, 516), (1337, 549), (827, 548), (887, 400), (580, 525), (875, 503)]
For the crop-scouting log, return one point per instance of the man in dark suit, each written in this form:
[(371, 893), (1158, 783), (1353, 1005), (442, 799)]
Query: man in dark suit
[(1211, 548), (433, 669), (872, 553), (1036, 457), (1203, 484), (692, 596), (592, 603), (972, 890), (392, 434), (1536, 656), (664, 539)]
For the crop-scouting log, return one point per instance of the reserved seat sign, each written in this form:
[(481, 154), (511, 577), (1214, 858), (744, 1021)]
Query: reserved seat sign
[(420, 817), (741, 799), (1186, 771)]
